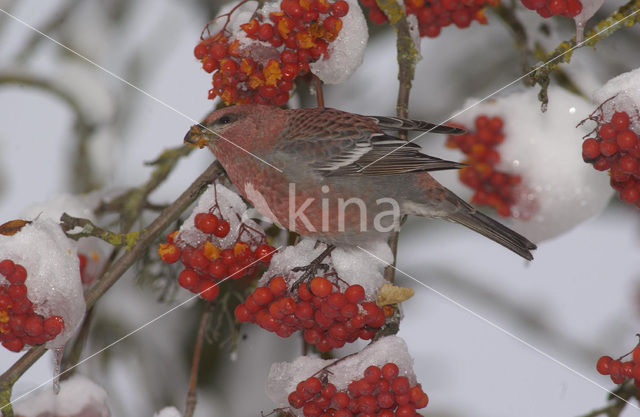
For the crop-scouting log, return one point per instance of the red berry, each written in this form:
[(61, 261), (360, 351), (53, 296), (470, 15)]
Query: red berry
[(209, 290), (340, 8), (400, 385), (262, 296), (264, 253), (636, 354), (17, 291), (607, 131), (18, 276), (6, 267), (406, 410), (265, 31), (626, 139), (188, 279), (218, 50), (372, 374), (620, 120), (53, 325), (34, 326), (242, 314), (169, 253), (206, 222), (627, 368), (615, 367), (602, 366), (222, 229), (14, 345), (354, 294), (629, 165), (608, 148), (320, 287), (227, 257), (277, 286), (390, 371), (590, 149), (200, 51), (630, 194), (217, 269)]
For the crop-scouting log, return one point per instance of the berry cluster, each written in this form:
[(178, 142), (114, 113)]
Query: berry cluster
[(207, 264), (619, 370), (284, 44), (548, 8), (491, 186), (328, 316), (433, 15), (20, 325), (381, 392), (616, 148)]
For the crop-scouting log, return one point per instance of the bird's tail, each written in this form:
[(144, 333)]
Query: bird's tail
[(495, 231), (453, 208)]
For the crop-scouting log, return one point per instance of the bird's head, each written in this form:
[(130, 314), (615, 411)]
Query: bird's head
[(228, 124)]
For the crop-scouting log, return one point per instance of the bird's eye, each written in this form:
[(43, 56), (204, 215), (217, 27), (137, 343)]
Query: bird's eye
[(224, 119)]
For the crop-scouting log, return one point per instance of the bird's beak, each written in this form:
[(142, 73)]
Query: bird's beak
[(197, 137)]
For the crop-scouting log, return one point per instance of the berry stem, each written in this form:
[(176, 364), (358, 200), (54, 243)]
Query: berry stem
[(195, 364), (319, 94)]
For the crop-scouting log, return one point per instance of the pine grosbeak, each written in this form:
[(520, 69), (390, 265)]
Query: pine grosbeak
[(328, 174)]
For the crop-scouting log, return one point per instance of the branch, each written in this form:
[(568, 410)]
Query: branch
[(119, 267), (627, 15), (132, 202), (408, 56), (195, 365)]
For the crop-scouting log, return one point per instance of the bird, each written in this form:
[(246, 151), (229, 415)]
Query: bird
[(339, 177)]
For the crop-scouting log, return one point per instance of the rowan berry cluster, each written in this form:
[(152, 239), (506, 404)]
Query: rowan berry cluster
[(433, 15), (328, 316), (491, 186), (20, 325), (615, 147), (207, 264), (381, 392), (548, 8), (620, 370), (279, 48)]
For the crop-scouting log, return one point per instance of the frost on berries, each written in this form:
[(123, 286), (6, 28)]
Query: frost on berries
[(78, 397), (336, 307), (90, 249), (255, 54), (556, 191), (379, 380), (614, 145), (216, 243), (433, 15), (44, 302)]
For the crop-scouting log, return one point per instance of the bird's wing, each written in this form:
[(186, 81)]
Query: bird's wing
[(336, 143), (395, 123)]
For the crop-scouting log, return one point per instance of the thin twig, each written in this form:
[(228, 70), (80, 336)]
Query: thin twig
[(195, 364), (407, 58)]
